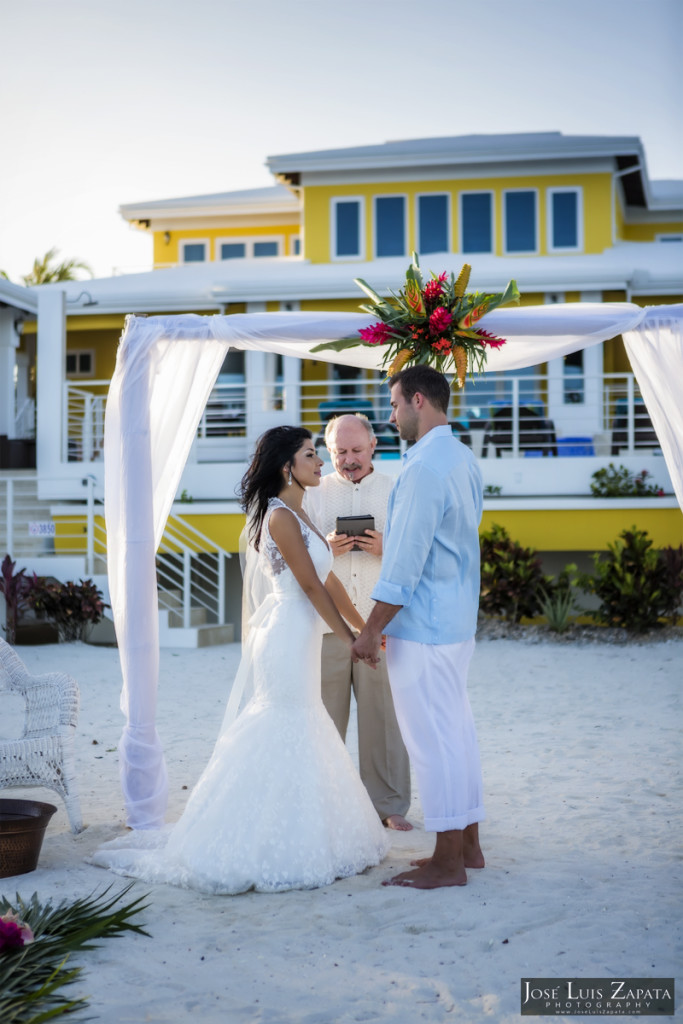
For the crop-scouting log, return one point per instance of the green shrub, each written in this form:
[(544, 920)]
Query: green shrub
[(511, 576), (619, 482), (637, 585), (557, 600), (14, 587), (69, 605)]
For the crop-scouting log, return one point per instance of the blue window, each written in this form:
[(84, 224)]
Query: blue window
[(296, 246), (390, 226), (194, 252), (477, 222), (233, 250), (433, 223), (565, 220), (520, 221), (265, 249), (347, 228)]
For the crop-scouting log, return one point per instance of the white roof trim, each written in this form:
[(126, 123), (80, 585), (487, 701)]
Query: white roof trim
[(18, 296), (459, 150), (640, 268)]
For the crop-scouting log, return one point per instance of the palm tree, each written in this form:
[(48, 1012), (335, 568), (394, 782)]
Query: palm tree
[(47, 270)]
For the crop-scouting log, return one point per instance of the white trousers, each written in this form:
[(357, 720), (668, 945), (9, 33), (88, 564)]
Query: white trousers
[(429, 687)]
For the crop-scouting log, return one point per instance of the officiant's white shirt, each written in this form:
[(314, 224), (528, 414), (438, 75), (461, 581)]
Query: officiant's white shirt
[(430, 563), (337, 496)]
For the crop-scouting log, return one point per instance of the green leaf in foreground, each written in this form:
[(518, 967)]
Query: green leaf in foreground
[(32, 976)]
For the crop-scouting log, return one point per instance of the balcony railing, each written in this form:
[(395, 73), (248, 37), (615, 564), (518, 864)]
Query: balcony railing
[(498, 415)]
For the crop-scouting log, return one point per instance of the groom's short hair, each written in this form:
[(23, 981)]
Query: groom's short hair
[(430, 383)]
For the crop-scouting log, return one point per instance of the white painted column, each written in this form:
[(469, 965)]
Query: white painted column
[(254, 375), (9, 341), (51, 373)]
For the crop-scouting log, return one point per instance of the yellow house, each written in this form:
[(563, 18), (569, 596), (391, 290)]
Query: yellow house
[(571, 218)]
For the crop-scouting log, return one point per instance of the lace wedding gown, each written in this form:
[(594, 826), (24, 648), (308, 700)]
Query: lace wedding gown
[(280, 804)]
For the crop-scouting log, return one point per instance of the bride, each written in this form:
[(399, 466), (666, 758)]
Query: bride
[(280, 804)]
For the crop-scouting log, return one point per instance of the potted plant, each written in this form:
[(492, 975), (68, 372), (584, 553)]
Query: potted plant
[(71, 606), (14, 587)]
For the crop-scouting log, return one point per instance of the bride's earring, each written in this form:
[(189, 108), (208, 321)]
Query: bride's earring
[(289, 479)]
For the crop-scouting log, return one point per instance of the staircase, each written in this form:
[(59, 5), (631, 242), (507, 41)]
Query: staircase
[(199, 633), (20, 507), (191, 573)]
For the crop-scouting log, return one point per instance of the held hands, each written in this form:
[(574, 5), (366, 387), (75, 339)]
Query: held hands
[(366, 647)]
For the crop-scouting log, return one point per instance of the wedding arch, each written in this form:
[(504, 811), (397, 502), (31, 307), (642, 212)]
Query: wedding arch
[(165, 370)]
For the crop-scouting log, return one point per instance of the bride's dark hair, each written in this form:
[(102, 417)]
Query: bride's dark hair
[(263, 479)]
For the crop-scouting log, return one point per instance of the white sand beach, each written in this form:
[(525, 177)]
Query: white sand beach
[(581, 753)]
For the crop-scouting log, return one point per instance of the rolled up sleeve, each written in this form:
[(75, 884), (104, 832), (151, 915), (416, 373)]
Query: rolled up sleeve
[(417, 509)]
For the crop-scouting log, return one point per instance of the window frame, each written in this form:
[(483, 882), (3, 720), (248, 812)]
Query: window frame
[(556, 190), (449, 218), (78, 374), (390, 195), (206, 242), (334, 202), (461, 220), (248, 242), (521, 252), (230, 241)]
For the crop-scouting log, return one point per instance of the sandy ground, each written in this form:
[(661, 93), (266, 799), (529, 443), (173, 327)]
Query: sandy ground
[(581, 751)]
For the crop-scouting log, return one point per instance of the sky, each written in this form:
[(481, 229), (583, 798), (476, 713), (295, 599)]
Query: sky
[(105, 103)]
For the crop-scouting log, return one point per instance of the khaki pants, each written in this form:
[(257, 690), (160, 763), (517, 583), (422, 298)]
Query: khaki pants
[(383, 759)]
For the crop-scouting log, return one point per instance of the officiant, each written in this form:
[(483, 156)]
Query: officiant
[(354, 489)]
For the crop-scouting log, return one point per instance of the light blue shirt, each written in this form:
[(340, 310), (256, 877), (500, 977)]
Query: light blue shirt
[(430, 563)]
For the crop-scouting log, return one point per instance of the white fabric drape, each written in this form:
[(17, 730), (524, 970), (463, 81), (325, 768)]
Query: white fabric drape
[(165, 370), (655, 351)]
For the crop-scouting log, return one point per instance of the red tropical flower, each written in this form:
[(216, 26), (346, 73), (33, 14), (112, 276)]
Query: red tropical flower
[(489, 339), (440, 320), (375, 334), (442, 345), (433, 289)]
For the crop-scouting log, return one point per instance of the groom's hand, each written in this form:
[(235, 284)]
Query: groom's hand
[(366, 647)]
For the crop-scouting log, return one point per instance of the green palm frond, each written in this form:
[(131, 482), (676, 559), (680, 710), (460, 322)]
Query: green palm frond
[(45, 270), (32, 976)]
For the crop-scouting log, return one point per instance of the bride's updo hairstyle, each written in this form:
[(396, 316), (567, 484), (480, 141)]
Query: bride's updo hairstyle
[(263, 480)]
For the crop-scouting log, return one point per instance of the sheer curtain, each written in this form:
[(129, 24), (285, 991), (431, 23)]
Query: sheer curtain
[(655, 350), (165, 370)]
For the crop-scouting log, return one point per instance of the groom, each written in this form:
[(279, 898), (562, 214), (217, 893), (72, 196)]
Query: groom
[(426, 601)]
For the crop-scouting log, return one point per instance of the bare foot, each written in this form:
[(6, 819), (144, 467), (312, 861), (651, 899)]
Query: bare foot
[(397, 822), (429, 877), (473, 859)]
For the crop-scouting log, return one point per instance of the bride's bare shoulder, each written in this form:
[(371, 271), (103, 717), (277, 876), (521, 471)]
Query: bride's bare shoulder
[(283, 521)]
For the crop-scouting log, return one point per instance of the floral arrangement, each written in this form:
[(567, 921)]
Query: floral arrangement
[(36, 941), (432, 323)]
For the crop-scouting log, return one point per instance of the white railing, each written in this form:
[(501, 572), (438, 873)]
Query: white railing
[(191, 568), (497, 414), (83, 417), (191, 572)]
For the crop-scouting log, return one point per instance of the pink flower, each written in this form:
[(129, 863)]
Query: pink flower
[(489, 339), (375, 334), (13, 932), (433, 290), (440, 320)]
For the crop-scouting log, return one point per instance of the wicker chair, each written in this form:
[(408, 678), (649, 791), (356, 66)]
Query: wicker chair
[(44, 754)]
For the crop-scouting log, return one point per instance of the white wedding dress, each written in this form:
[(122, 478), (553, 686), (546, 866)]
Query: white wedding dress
[(280, 804)]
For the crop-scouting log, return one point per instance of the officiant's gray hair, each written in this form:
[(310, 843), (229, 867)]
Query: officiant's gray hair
[(331, 428)]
